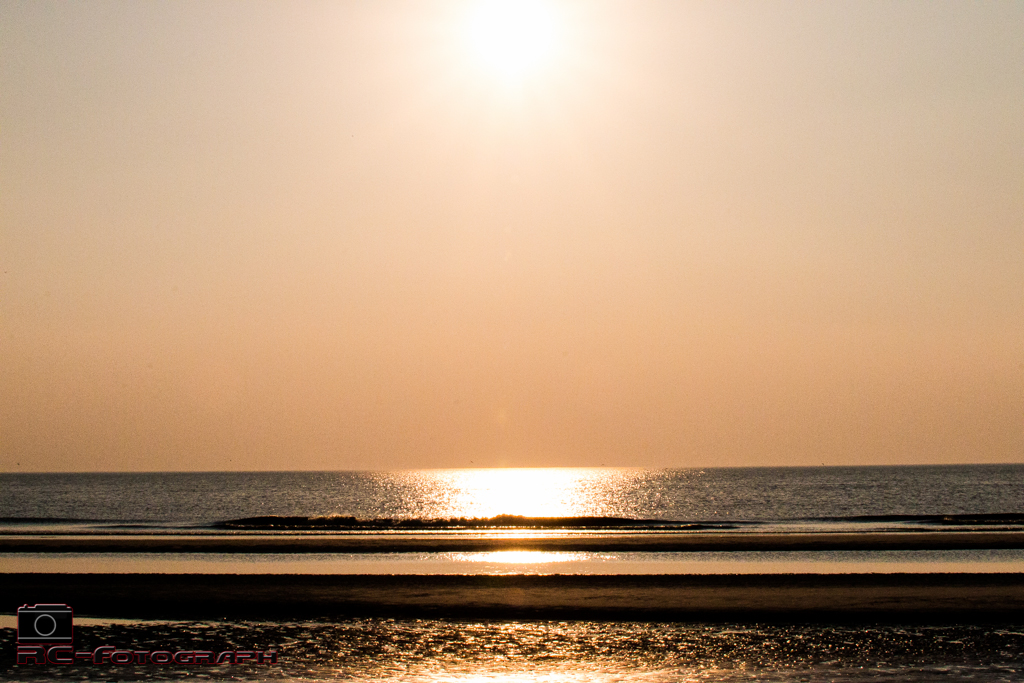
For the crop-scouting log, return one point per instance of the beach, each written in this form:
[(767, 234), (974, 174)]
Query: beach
[(937, 598), (153, 591), (570, 651)]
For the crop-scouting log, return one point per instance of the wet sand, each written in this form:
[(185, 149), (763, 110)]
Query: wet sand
[(933, 598), (395, 543)]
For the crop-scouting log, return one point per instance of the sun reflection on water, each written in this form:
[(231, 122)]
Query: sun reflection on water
[(529, 492), (460, 651), (519, 557)]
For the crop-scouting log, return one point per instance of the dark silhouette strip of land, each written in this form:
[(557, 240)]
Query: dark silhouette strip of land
[(339, 522), (336, 522)]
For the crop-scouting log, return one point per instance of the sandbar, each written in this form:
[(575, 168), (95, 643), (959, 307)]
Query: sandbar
[(396, 543)]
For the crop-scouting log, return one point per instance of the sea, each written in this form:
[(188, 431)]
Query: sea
[(545, 501)]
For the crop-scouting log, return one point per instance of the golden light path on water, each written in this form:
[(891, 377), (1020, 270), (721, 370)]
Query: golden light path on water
[(529, 492), (520, 557)]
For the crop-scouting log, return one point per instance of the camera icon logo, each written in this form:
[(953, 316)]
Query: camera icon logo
[(45, 624)]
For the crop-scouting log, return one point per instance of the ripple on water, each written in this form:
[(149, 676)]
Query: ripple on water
[(442, 651)]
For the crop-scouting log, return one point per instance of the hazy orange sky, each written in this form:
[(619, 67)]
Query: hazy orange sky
[(338, 235)]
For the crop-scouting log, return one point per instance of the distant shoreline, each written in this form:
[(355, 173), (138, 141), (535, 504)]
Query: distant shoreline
[(622, 542), (932, 598)]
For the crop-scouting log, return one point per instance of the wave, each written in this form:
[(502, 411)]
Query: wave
[(96, 523), (341, 523), (944, 520), (496, 522), (51, 520)]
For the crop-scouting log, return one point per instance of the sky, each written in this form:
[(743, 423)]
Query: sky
[(249, 235)]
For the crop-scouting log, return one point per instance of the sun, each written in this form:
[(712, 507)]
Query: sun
[(511, 39)]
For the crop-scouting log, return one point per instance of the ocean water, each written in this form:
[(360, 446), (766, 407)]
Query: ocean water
[(758, 498), (442, 504)]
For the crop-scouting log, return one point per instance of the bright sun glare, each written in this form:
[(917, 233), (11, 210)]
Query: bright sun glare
[(528, 492), (512, 39)]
